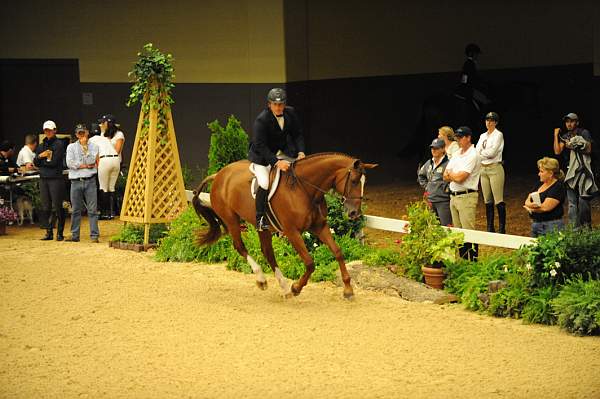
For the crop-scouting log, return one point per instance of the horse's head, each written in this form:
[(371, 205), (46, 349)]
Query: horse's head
[(350, 183)]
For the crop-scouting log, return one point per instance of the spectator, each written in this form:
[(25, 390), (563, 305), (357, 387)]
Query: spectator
[(431, 178), (49, 158), (109, 165), (27, 153), (545, 206), (489, 148), (463, 172), (579, 180), (446, 133), (82, 158), (7, 165)]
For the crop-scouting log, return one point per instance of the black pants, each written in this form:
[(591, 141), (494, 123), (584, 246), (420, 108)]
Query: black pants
[(52, 194)]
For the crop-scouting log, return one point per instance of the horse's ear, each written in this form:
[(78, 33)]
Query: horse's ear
[(369, 165)]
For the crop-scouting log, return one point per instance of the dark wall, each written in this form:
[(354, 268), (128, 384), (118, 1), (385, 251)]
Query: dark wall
[(33, 91), (195, 106), (392, 119)]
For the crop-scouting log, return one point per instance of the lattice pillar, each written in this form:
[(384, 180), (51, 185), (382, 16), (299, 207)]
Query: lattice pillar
[(155, 192)]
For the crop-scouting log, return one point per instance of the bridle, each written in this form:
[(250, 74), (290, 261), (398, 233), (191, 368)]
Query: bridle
[(345, 196)]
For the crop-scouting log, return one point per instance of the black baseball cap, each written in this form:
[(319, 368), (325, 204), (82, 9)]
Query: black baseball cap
[(493, 116), (108, 118), (463, 131), (571, 116)]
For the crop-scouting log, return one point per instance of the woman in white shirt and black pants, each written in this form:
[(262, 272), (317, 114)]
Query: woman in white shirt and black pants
[(489, 147), (110, 143)]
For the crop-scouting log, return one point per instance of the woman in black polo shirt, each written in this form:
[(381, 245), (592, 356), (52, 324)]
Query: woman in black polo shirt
[(546, 212)]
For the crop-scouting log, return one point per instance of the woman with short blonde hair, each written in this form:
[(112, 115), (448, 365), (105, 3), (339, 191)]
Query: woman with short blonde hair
[(545, 206)]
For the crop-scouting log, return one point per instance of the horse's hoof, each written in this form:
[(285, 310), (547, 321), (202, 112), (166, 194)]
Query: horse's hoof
[(295, 290), (287, 295), (349, 295), (262, 285)]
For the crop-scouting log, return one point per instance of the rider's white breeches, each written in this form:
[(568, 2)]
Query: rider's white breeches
[(262, 174)]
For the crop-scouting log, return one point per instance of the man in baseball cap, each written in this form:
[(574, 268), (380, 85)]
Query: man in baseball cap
[(431, 178), (579, 180), (49, 159), (463, 173)]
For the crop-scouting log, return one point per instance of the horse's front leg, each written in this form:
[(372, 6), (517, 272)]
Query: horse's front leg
[(297, 242), (325, 236)]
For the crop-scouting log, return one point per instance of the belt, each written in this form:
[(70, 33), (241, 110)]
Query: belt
[(83, 178), (108, 156), (462, 192)]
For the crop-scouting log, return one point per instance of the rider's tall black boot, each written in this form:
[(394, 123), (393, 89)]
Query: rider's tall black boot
[(501, 217), (261, 209), (489, 216)]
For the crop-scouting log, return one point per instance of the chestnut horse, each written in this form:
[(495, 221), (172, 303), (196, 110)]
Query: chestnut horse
[(298, 203)]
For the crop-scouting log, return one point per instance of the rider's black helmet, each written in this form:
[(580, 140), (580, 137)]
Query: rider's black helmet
[(277, 95), (472, 49)]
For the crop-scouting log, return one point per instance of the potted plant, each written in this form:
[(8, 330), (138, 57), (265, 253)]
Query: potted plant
[(427, 245), (7, 215)]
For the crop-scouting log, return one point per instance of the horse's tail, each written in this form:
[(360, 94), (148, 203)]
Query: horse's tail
[(213, 233)]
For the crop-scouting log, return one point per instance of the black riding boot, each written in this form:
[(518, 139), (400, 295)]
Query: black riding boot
[(111, 206), (261, 207), (489, 216), (102, 206), (501, 217), (469, 251)]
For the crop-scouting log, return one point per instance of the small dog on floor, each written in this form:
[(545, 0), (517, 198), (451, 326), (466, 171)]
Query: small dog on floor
[(24, 207)]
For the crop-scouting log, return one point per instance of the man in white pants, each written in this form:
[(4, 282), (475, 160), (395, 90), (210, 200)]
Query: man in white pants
[(277, 134)]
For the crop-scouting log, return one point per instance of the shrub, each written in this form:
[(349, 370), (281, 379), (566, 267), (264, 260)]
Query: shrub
[(510, 301), (227, 145), (427, 243), (578, 306), (539, 306), (558, 256), (133, 233)]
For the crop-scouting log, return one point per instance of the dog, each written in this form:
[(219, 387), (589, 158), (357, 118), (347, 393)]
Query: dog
[(24, 207)]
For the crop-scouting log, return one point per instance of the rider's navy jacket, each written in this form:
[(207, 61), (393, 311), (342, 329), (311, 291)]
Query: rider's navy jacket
[(268, 138)]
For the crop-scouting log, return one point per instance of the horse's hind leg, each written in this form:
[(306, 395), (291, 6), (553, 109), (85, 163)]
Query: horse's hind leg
[(266, 245), (233, 225)]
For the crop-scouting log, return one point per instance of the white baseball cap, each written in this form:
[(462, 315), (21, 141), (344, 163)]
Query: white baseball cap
[(49, 125)]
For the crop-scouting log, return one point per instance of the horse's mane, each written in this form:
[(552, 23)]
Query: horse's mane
[(323, 154)]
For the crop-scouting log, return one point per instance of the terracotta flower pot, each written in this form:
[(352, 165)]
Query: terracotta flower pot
[(434, 276)]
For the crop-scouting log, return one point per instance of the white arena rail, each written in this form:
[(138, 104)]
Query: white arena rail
[(400, 226)]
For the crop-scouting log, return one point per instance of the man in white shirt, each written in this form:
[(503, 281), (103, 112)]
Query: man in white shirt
[(27, 153), (463, 172), (489, 148)]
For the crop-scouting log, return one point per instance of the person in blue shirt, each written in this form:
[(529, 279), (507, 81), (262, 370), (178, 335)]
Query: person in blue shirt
[(82, 161)]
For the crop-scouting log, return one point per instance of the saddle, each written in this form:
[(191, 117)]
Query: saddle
[(274, 183)]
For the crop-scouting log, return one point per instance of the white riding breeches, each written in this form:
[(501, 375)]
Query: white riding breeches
[(108, 172), (262, 174)]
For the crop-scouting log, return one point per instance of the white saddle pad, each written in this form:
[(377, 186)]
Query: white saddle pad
[(254, 184)]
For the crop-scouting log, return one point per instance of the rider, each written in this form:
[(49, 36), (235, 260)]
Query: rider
[(276, 141)]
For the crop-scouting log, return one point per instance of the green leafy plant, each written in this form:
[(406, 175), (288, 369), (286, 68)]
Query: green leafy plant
[(227, 144), (558, 256), (134, 233), (539, 306), (578, 306), (510, 301), (427, 243), (152, 77)]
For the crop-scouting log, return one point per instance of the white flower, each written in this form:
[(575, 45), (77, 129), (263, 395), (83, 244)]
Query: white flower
[(553, 272), (332, 230), (505, 268), (306, 234), (556, 265), (315, 244), (528, 266)]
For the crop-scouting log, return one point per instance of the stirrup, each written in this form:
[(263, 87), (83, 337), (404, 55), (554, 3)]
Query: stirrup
[(262, 224)]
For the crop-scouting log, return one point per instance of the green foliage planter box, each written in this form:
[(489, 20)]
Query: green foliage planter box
[(130, 246)]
